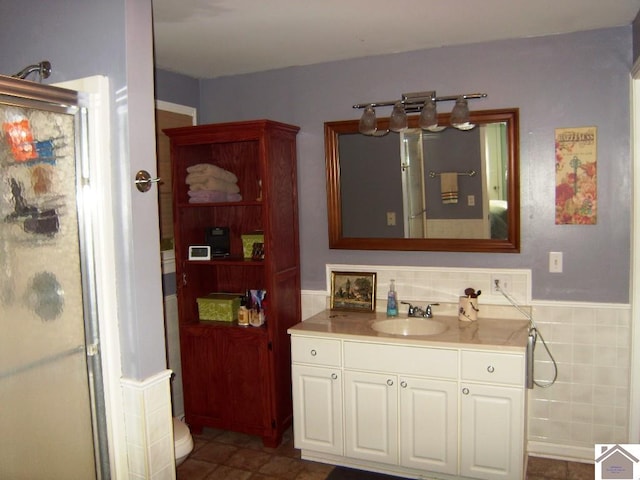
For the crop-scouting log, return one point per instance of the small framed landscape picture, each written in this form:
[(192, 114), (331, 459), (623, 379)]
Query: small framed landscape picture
[(353, 291)]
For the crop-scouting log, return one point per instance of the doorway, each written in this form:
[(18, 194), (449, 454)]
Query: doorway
[(170, 115)]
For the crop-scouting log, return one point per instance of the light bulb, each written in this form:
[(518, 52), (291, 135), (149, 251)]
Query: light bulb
[(428, 116), (460, 115), (368, 122), (398, 120)]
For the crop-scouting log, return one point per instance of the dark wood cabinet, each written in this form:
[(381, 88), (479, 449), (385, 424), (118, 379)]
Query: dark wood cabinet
[(234, 377)]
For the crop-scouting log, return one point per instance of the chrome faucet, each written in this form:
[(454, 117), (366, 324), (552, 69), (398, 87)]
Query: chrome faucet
[(420, 312)]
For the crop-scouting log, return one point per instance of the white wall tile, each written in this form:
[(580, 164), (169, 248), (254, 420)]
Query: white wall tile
[(581, 413), (539, 408), (149, 426), (581, 375), (599, 379), (581, 393), (580, 431), (560, 411), (173, 353), (622, 397), (583, 354)]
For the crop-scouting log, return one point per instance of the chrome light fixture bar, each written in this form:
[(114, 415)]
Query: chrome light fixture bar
[(423, 102)]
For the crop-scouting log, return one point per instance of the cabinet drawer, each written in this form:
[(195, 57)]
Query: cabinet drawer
[(318, 351), (428, 362), (490, 367)]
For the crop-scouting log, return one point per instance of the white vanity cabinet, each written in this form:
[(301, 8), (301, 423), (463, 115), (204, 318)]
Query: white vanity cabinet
[(492, 415), (401, 405), (371, 414), (410, 421), (409, 408), (428, 424), (317, 393)]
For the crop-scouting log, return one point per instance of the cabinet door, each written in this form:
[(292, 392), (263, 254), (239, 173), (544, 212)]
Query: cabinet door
[(371, 412), (202, 401), (317, 409), (245, 390), (492, 432), (428, 424)]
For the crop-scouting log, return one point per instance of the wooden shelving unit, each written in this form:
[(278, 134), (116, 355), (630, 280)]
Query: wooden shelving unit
[(238, 378)]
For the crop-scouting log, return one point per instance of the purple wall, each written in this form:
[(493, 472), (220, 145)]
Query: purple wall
[(578, 79), (176, 88), (636, 38)]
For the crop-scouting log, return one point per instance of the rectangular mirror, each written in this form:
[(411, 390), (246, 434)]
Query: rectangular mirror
[(452, 190)]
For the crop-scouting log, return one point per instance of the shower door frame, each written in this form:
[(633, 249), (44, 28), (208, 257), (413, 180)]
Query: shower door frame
[(27, 94)]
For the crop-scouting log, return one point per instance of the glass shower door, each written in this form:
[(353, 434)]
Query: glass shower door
[(413, 189), (49, 357)]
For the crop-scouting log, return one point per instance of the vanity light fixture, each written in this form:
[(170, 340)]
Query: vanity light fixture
[(423, 102)]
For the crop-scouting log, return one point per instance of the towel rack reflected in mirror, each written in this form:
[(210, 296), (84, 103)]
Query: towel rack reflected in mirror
[(469, 173)]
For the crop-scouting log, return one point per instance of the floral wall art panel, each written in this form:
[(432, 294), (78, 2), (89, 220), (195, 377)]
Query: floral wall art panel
[(576, 176)]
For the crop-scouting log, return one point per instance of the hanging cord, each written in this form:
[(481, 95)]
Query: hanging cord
[(533, 330)]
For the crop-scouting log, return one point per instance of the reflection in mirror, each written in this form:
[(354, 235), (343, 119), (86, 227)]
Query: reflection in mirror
[(418, 190)]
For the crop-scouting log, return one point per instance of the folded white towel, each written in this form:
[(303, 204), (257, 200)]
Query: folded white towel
[(210, 170), (213, 196), (201, 177), (449, 187), (216, 184)]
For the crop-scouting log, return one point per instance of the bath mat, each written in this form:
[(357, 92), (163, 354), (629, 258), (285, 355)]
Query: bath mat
[(344, 473)]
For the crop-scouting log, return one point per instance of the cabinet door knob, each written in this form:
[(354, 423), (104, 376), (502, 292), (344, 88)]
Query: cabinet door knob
[(465, 390), (490, 369), (334, 376), (403, 384), (313, 353), (390, 382)]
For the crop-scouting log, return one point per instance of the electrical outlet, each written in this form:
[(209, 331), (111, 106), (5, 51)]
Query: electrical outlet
[(391, 219), (503, 280)]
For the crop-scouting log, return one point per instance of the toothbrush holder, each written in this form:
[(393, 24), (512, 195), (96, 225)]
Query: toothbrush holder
[(468, 309)]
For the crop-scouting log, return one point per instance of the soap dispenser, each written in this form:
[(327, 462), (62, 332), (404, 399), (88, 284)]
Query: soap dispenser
[(392, 300)]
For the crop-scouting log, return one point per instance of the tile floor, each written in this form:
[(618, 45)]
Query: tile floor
[(226, 455)]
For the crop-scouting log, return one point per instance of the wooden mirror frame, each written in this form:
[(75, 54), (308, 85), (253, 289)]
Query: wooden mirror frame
[(332, 132)]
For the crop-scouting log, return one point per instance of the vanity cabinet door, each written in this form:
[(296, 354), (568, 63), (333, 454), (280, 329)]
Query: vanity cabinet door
[(371, 414), (492, 431), (429, 424), (317, 408)]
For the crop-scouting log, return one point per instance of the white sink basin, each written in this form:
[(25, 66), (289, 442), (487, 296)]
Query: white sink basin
[(409, 326)]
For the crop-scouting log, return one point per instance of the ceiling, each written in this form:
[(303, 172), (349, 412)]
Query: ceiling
[(213, 38)]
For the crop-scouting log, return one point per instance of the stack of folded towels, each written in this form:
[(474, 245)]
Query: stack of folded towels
[(210, 184)]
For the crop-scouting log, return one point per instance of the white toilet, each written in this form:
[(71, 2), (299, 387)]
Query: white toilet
[(182, 440)]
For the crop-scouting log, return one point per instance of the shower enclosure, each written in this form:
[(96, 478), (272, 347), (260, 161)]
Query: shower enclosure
[(52, 422)]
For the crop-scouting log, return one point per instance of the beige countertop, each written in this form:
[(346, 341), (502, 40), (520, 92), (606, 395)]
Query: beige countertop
[(485, 333)]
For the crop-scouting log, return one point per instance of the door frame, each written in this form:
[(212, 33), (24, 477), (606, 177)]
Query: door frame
[(634, 368), (97, 88)]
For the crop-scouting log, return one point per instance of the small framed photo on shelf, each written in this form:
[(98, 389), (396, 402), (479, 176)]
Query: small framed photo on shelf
[(353, 291)]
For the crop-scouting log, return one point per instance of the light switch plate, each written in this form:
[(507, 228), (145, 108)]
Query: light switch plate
[(555, 262)]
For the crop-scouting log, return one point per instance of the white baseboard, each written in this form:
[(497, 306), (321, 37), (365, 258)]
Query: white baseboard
[(561, 452)]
